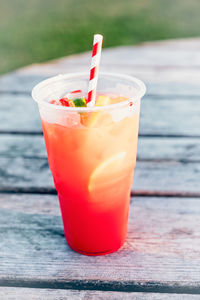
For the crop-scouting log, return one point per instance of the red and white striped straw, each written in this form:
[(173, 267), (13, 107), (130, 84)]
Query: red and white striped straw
[(94, 70)]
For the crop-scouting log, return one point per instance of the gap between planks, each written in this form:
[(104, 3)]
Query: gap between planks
[(148, 135), (52, 294), (100, 285), (138, 193)]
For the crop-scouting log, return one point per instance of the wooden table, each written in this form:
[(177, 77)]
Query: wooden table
[(161, 257)]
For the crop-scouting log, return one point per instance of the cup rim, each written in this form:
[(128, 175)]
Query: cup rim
[(87, 109)]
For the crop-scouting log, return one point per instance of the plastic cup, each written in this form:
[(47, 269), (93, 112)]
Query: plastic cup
[(92, 156)]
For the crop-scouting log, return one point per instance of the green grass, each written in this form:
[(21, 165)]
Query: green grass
[(39, 30)]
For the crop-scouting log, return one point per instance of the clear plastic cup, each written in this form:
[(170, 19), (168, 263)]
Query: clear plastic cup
[(92, 156)]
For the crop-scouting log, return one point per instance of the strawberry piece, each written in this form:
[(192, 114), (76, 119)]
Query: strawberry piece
[(54, 102), (76, 91), (66, 102)]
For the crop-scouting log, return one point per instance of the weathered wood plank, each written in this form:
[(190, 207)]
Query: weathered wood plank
[(161, 252), (169, 148), (170, 72), (24, 172), (149, 148), (20, 145), (55, 294), (18, 173), (171, 116), (175, 62), (167, 176), (19, 83), (24, 165), (19, 113)]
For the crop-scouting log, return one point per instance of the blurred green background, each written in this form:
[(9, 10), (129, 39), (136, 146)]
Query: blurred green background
[(39, 30)]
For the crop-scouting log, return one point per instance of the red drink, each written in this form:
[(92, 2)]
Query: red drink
[(92, 155)]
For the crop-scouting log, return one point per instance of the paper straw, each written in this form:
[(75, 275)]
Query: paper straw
[(94, 70)]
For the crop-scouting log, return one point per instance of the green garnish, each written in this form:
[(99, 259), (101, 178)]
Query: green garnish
[(80, 102)]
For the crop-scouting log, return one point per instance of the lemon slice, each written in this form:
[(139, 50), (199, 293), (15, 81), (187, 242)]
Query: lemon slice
[(107, 169)]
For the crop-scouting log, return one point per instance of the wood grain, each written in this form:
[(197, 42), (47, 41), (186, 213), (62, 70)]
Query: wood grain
[(149, 148), (164, 165), (33, 174), (162, 249), (19, 113), (55, 294), (159, 115)]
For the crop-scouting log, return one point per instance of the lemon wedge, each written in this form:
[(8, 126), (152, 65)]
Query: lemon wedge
[(96, 119), (107, 169)]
